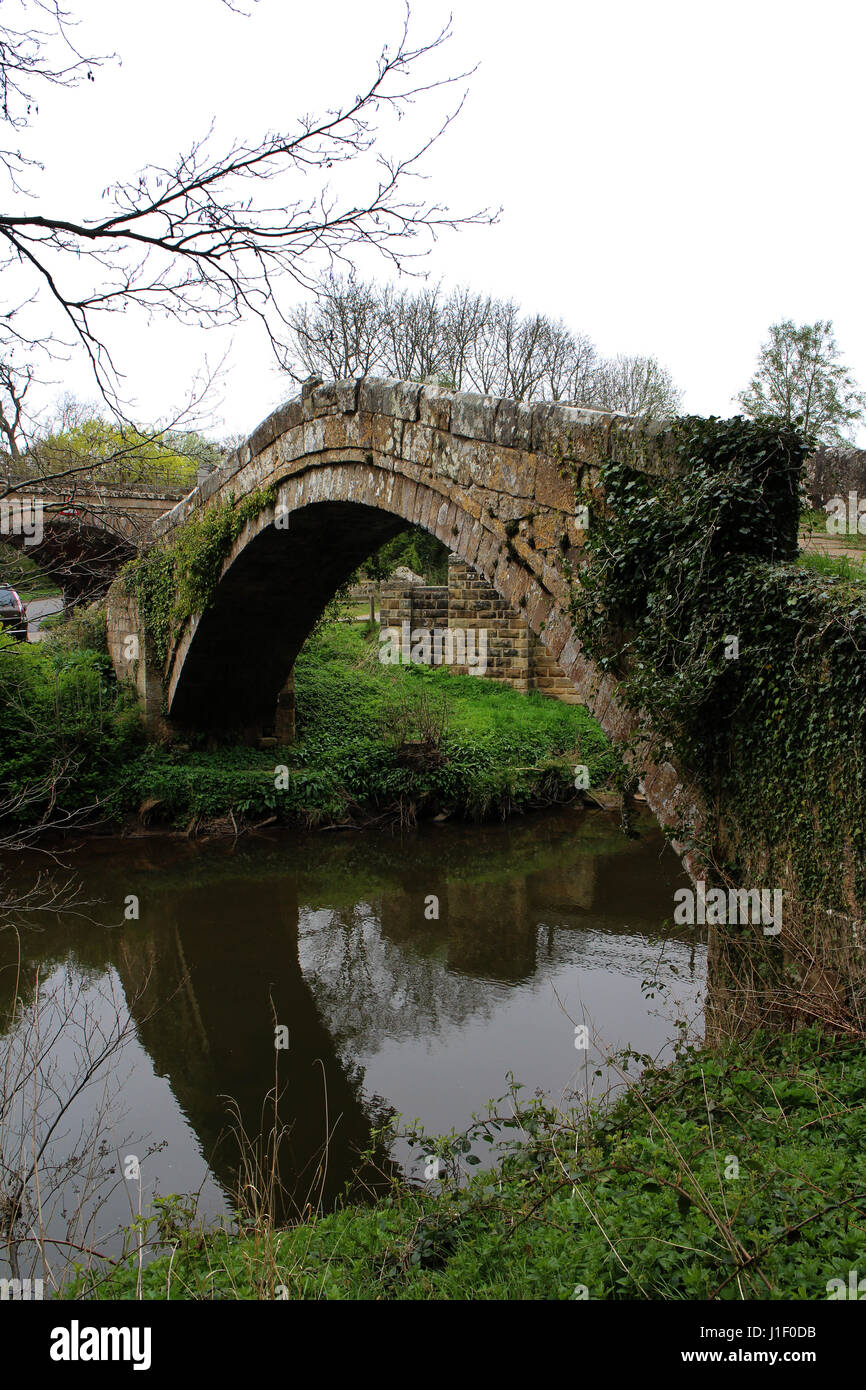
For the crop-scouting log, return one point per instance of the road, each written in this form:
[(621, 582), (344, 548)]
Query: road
[(36, 610)]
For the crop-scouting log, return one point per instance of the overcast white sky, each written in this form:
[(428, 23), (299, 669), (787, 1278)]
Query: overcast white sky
[(674, 175)]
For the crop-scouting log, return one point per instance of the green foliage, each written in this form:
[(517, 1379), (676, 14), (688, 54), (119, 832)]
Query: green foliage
[(638, 1203), (66, 728), (84, 630), (123, 454), (62, 713), (500, 750), (171, 584), (415, 548), (676, 566), (800, 381)]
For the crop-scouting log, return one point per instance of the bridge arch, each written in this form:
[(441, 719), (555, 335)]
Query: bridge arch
[(349, 464), (230, 662)]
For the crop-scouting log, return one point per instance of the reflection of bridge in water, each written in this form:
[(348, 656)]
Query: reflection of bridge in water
[(341, 953), (329, 938), (213, 1035)]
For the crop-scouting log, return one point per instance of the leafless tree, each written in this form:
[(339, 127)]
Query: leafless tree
[(466, 319), (414, 331), (341, 334), (217, 235), (36, 50), (14, 385), (519, 353), (635, 386), (467, 341), (570, 365)]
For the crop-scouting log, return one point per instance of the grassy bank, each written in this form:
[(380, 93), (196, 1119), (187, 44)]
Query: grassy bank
[(731, 1175), (372, 741)]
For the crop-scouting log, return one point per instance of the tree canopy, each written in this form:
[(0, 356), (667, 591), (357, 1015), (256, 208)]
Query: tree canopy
[(801, 381)]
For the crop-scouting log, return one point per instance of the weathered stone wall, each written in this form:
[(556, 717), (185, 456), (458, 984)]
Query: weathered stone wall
[(429, 605), (133, 660), (548, 676), (473, 605), (514, 654)]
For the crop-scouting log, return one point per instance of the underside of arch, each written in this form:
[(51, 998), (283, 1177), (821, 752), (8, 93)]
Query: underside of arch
[(264, 608)]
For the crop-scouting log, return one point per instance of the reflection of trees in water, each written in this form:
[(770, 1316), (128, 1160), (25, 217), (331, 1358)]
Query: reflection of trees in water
[(379, 969), (370, 989), (219, 939), (383, 969), (61, 1101)]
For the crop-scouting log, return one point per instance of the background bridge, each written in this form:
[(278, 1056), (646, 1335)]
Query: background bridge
[(88, 530)]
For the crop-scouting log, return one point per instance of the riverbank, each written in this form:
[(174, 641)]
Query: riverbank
[(374, 743), (733, 1174)]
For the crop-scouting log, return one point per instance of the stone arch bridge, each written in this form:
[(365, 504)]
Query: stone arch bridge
[(86, 531), (349, 464)]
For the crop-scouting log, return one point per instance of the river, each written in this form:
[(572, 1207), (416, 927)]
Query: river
[(401, 974)]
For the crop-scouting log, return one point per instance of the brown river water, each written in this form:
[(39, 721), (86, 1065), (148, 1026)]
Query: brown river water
[(546, 923)]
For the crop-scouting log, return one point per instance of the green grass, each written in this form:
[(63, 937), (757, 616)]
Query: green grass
[(731, 1175), (359, 608), (499, 750), (485, 749), (839, 565)]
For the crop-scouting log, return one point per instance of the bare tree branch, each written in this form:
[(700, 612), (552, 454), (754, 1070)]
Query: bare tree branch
[(198, 241)]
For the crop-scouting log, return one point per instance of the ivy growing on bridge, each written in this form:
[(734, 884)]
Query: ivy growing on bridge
[(773, 723), (172, 583)]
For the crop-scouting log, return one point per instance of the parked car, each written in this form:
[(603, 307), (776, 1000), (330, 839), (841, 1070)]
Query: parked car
[(12, 614)]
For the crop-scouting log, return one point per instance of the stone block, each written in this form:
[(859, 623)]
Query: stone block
[(473, 417), (388, 396), (419, 443), (434, 407), (262, 436), (513, 425), (387, 435), (554, 486), (314, 436), (287, 416)]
